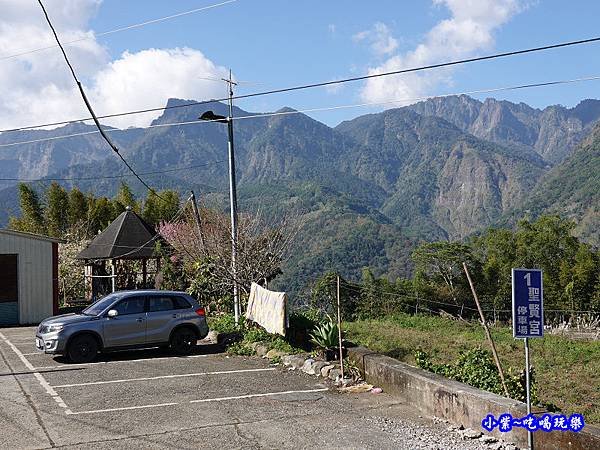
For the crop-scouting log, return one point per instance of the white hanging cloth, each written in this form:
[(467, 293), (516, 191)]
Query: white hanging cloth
[(268, 309)]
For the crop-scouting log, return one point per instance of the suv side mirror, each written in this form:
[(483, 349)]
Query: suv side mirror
[(112, 313)]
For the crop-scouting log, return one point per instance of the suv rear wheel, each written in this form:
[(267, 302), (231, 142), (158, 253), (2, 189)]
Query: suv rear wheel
[(182, 341), (82, 349)]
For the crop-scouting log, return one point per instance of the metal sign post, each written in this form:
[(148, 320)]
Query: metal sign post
[(528, 318)]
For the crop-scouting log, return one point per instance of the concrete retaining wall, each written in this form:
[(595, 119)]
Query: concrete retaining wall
[(459, 403)]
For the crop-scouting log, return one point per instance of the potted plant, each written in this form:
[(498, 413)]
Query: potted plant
[(325, 337)]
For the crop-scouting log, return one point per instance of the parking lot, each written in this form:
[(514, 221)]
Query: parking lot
[(148, 399)]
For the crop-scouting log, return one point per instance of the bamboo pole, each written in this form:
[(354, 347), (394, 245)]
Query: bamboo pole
[(487, 331), (339, 321)]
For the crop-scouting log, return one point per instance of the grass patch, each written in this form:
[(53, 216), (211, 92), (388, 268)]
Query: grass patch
[(567, 371)]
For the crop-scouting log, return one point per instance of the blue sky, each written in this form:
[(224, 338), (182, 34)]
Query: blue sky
[(278, 43)]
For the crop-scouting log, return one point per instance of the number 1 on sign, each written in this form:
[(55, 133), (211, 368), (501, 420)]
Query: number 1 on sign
[(528, 278)]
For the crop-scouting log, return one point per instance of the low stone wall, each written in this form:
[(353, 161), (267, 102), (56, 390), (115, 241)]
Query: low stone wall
[(459, 403)]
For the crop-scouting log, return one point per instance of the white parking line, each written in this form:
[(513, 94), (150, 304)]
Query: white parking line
[(268, 394), (218, 399), (33, 354), (172, 358), (36, 374), (161, 377)]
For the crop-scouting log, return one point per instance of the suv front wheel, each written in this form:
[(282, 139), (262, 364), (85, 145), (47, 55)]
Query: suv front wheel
[(82, 349), (183, 340)]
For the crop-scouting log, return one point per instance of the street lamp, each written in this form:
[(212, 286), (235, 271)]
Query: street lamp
[(211, 116)]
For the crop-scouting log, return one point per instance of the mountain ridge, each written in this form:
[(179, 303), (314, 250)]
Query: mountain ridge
[(391, 178)]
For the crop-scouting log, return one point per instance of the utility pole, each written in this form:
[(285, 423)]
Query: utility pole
[(232, 199), (212, 117)]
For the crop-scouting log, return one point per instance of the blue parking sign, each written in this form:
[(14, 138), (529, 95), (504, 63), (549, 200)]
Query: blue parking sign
[(527, 303)]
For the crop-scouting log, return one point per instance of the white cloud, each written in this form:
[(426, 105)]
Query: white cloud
[(470, 29), (379, 38), (37, 87), (148, 78)]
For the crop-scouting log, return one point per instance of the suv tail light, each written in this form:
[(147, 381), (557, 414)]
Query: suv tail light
[(201, 312)]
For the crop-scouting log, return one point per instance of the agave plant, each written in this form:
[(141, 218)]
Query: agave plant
[(325, 335)]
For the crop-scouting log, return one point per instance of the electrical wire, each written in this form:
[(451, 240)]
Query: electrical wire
[(324, 83), (358, 288), (89, 107), (118, 30), (110, 130), (112, 177), (323, 109)]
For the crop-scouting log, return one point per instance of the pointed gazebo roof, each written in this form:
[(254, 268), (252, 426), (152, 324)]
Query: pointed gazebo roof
[(127, 237)]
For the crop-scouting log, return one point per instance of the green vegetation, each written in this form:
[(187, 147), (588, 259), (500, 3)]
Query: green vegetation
[(567, 371), (476, 368), (77, 217), (573, 188), (247, 334), (303, 324), (571, 275), (60, 212), (571, 268)]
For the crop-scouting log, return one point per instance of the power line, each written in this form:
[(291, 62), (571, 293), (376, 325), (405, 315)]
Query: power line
[(111, 130), (112, 177), (118, 30), (358, 288), (87, 103), (321, 109), (325, 83)]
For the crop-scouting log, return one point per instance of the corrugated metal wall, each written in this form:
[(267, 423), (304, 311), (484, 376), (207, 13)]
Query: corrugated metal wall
[(35, 275)]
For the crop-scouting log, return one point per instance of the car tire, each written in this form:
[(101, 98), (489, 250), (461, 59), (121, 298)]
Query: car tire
[(82, 349), (183, 341)]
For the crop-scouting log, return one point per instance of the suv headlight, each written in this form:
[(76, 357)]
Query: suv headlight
[(54, 328)]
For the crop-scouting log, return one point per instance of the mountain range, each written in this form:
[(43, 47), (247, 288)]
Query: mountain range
[(368, 189)]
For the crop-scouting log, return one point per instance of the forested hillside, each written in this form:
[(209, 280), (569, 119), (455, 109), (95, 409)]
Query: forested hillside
[(572, 190), (367, 190)]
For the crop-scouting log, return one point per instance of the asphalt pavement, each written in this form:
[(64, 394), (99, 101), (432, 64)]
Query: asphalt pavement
[(149, 399)]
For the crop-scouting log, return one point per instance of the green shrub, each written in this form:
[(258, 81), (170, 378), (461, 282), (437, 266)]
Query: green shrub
[(223, 323), (257, 334), (248, 334), (279, 343), (477, 368)]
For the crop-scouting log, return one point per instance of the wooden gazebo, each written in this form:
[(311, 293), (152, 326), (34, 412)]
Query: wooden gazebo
[(113, 258)]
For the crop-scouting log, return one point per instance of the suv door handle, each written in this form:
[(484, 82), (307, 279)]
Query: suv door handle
[(175, 316), (139, 319)]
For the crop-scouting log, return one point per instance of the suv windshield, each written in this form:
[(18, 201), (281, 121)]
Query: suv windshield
[(96, 308)]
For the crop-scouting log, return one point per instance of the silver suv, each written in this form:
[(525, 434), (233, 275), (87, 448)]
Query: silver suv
[(124, 320)]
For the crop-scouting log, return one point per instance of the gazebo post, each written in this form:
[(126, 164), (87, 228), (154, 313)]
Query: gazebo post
[(113, 279), (144, 272)]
